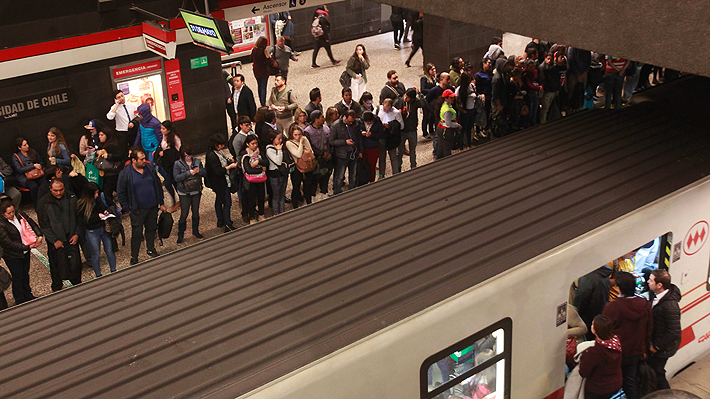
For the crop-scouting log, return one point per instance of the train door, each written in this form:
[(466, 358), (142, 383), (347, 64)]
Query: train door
[(477, 367)]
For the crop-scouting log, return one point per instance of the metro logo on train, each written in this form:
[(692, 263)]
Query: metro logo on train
[(695, 238)]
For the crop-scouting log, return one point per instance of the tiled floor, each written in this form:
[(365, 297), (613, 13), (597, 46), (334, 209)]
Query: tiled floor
[(302, 79)]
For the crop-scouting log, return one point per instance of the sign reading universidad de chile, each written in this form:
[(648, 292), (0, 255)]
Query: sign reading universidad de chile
[(36, 104)]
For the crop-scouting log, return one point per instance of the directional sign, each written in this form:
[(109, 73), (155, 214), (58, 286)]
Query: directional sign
[(270, 7)]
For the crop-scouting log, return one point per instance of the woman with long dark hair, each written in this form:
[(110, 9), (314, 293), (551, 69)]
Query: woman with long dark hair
[(57, 152), (218, 166), (24, 163), (169, 153), (260, 61), (92, 213), (18, 235), (358, 64), (254, 166), (467, 97), (426, 83), (110, 149), (188, 172)]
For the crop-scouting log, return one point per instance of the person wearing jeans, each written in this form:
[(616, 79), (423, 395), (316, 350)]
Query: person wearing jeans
[(91, 215), (261, 60), (346, 140), (141, 194), (188, 173), (614, 80)]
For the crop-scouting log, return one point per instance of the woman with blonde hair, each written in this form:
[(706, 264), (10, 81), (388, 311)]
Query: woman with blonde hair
[(300, 149)]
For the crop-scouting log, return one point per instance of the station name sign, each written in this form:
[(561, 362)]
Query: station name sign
[(36, 104)]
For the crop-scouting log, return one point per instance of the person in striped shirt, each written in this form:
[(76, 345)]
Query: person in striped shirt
[(614, 80)]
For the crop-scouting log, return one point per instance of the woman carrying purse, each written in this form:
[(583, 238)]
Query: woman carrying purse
[(188, 172), (29, 168), (254, 167), (300, 149), (18, 235)]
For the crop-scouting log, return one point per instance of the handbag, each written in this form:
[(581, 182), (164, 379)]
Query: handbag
[(69, 262), (31, 174), (481, 118), (274, 67), (28, 236), (345, 79), (107, 166), (5, 279), (254, 178), (192, 183)]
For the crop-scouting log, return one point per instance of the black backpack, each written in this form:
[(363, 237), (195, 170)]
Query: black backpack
[(646, 379), (165, 225)]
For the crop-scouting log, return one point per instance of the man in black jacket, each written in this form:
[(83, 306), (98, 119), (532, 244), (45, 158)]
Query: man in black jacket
[(243, 99), (666, 324), (393, 89), (409, 107), (141, 194), (56, 212), (346, 140)]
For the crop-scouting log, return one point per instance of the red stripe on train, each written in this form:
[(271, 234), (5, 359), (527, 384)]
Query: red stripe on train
[(695, 303), (558, 394), (686, 336)]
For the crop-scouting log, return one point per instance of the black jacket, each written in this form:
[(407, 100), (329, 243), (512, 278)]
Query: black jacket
[(246, 104), (592, 295), (50, 215), (339, 134), (215, 172), (126, 191), (392, 92), (666, 323), (10, 239), (411, 114)]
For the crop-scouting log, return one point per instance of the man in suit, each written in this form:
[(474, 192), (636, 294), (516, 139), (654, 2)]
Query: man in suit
[(243, 98)]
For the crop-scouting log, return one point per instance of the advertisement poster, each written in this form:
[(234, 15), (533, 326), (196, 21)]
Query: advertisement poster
[(246, 31), (175, 98)]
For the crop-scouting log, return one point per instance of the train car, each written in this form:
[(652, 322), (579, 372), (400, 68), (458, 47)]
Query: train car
[(450, 278)]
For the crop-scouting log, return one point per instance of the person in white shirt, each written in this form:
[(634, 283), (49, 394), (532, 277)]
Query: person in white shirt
[(123, 113), (388, 114)]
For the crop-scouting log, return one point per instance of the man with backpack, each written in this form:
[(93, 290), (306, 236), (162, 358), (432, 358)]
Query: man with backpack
[(393, 89), (141, 194)]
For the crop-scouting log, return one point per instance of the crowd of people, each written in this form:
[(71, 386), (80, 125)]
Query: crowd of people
[(622, 329), (80, 197)]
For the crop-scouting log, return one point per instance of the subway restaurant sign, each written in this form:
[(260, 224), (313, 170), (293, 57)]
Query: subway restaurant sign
[(36, 104)]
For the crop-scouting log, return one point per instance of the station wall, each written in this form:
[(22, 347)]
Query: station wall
[(91, 85)]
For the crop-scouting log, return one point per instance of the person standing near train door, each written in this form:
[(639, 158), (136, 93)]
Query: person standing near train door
[(633, 324), (665, 340)]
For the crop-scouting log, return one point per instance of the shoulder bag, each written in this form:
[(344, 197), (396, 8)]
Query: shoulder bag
[(104, 164), (31, 174), (307, 162), (192, 183), (254, 178)]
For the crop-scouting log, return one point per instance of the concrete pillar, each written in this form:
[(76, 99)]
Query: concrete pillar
[(445, 39)]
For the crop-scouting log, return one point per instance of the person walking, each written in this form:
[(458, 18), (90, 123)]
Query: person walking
[(218, 166), (283, 101), (261, 61), (397, 19), (357, 67), (300, 149), (18, 235), (28, 167), (56, 212), (417, 38), (141, 195), (320, 30), (665, 339), (188, 172), (92, 213)]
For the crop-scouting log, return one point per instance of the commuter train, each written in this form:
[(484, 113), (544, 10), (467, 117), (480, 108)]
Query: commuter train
[(451, 279)]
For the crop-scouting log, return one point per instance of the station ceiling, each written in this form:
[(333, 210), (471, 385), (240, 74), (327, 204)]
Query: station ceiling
[(673, 34)]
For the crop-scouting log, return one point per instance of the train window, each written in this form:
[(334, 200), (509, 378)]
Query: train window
[(477, 367)]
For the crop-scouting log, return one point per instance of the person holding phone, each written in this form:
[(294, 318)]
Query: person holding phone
[(188, 172)]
